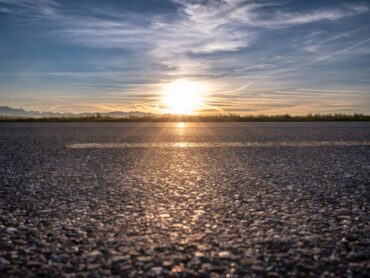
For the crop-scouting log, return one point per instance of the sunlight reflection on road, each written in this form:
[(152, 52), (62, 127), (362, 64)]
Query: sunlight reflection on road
[(181, 129), (181, 145)]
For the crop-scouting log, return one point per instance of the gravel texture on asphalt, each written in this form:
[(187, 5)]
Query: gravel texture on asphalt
[(179, 212)]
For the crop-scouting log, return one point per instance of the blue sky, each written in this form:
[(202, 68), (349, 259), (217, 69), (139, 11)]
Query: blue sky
[(252, 56)]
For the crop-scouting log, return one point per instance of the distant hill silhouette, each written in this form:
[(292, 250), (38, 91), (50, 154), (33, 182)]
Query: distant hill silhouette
[(19, 112)]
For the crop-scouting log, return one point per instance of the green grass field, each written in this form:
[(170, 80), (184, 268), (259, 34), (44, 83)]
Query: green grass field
[(209, 118)]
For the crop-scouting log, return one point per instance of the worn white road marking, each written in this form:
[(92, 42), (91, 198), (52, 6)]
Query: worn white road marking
[(216, 144)]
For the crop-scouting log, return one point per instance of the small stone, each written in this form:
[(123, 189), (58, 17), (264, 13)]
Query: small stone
[(157, 270), (144, 258), (22, 227), (94, 253), (199, 254), (224, 255), (166, 263), (116, 259), (11, 230), (3, 262), (33, 263), (257, 268), (176, 269)]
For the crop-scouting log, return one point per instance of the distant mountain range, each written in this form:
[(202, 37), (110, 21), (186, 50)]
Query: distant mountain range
[(19, 112)]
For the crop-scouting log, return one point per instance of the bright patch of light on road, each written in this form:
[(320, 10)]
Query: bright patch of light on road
[(216, 144)]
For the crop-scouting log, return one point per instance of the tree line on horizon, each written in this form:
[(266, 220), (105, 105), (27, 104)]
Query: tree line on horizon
[(196, 118)]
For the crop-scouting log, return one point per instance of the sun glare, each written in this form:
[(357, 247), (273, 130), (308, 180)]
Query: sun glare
[(183, 97)]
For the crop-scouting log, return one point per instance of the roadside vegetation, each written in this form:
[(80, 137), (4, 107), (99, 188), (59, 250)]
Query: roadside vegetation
[(206, 118)]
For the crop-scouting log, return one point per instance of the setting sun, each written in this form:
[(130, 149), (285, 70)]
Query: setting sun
[(183, 97)]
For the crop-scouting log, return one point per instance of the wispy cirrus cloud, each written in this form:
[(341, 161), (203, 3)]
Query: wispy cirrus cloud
[(284, 19), (198, 28), (37, 7)]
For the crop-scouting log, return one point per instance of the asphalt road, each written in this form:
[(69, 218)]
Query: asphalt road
[(200, 211)]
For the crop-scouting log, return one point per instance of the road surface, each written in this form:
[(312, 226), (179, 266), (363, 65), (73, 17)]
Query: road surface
[(199, 199)]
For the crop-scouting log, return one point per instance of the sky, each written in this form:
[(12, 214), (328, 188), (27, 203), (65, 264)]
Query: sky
[(249, 57)]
